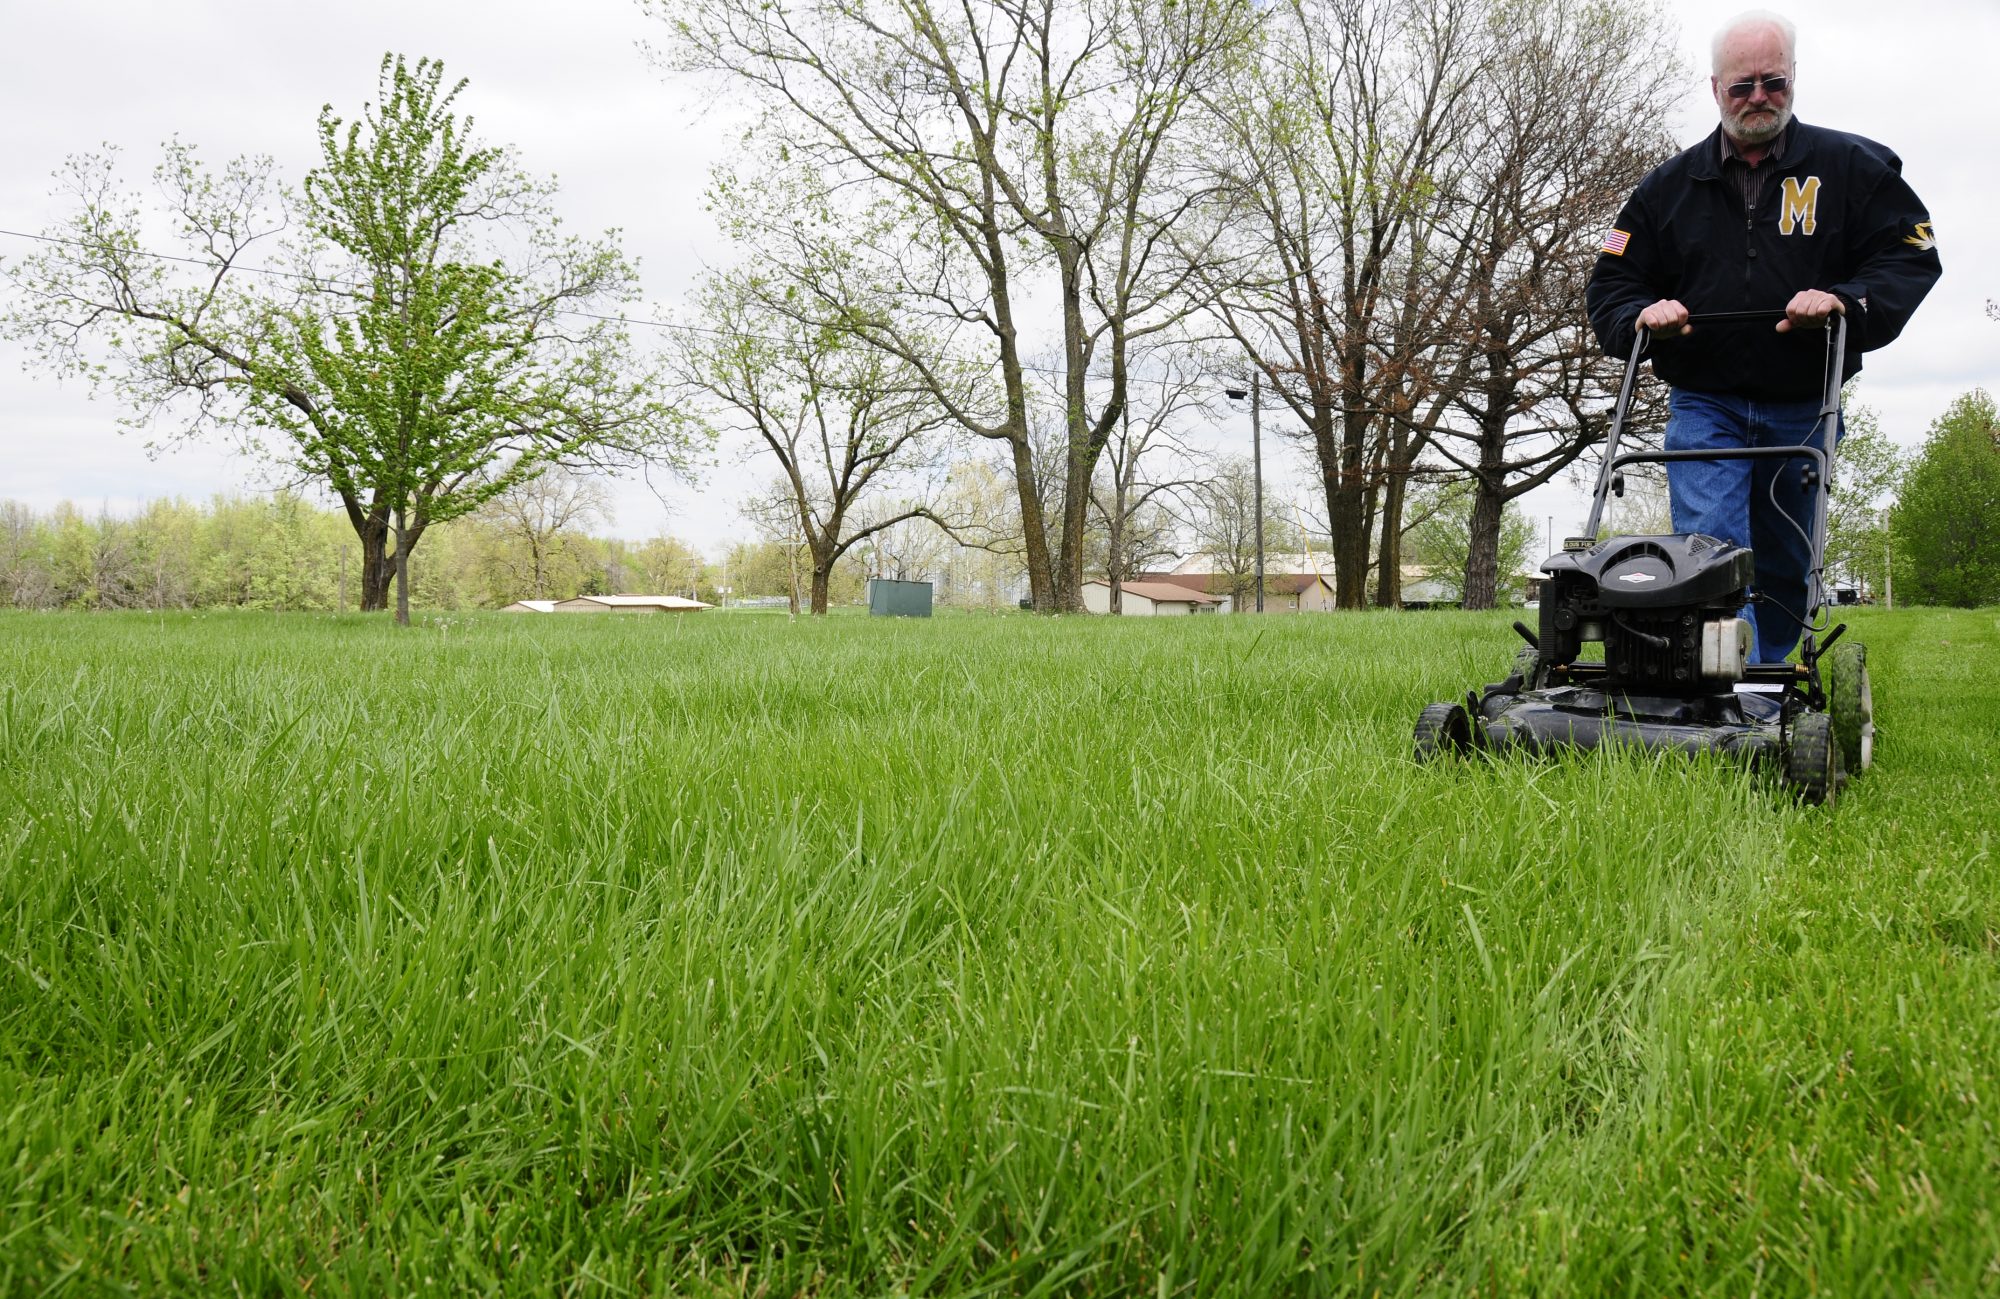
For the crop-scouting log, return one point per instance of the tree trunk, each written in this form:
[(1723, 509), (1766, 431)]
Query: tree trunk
[(1482, 551), (1389, 570), (1114, 563), (822, 578), (1079, 448), (377, 569), (1326, 454), (1348, 509), (402, 560), (1034, 530)]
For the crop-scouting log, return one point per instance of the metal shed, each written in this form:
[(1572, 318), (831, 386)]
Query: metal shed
[(892, 599)]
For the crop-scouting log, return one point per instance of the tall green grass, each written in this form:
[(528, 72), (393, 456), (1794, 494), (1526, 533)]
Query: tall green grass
[(985, 955)]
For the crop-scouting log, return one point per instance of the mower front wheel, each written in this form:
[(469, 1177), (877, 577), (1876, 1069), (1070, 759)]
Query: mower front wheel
[(1443, 730), (1812, 759)]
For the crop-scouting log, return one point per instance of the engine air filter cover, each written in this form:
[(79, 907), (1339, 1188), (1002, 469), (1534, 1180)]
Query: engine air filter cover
[(1688, 570)]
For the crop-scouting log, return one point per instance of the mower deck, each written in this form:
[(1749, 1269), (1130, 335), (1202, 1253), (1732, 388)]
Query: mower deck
[(1580, 717)]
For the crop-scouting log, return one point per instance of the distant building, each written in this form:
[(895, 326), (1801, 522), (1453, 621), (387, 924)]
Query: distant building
[(531, 606), (627, 604), (1147, 599), (1277, 561), (1284, 592)]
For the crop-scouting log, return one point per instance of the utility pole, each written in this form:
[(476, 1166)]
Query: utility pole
[(1888, 564), (1257, 475)]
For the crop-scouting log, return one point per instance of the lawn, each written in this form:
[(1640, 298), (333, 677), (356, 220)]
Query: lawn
[(983, 955)]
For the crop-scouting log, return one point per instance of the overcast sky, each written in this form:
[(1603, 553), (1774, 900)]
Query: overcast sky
[(568, 85)]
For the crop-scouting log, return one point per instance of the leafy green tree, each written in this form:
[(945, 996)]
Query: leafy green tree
[(667, 566), (168, 531), (426, 335), (1440, 539), (292, 565), (1947, 518), (24, 576), (1867, 470)]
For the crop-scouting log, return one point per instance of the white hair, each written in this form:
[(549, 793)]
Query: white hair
[(1754, 18)]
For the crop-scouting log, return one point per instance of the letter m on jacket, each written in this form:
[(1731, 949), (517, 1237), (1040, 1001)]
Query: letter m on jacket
[(1801, 206)]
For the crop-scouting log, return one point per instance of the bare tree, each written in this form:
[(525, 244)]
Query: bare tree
[(540, 513), (1225, 527), (842, 419), (1332, 143), (1568, 125), (985, 141), (1141, 509)]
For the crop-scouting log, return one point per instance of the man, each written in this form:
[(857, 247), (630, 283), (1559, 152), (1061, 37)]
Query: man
[(1766, 213)]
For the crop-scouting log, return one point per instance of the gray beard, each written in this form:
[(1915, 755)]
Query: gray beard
[(1763, 132)]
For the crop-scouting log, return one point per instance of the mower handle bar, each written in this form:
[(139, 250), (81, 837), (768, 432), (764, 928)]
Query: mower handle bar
[(1836, 350), (1829, 415)]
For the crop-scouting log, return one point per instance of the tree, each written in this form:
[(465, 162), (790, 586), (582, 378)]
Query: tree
[(667, 566), (1225, 527), (841, 418), (540, 513), (24, 569), (1440, 538), (1868, 468), (1947, 518), (986, 567), (1330, 146), (1130, 499), (1568, 126), (419, 337), (977, 144)]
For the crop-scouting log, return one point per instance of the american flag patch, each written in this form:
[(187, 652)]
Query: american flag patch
[(1614, 243)]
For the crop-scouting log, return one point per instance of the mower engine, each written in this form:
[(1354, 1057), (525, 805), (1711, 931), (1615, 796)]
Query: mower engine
[(1664, 607)]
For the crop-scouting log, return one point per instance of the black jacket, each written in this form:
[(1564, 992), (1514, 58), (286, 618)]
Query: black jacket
[(1836, 215)]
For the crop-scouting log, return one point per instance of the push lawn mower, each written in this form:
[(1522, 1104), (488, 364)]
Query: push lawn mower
[(1675, 672)]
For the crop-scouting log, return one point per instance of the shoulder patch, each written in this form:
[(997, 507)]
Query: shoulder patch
[(1923, 240), (1614, 243)]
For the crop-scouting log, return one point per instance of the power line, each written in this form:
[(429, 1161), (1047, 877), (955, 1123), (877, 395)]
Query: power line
[(293, 274), (275, 273), (670, 326)]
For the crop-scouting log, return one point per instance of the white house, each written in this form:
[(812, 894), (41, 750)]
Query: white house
[(531, 606), (1147, 599)]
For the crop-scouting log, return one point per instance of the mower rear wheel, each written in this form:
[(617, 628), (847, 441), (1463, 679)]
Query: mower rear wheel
[(1851, 704), (1443, 730), (1812, 760), (1528, 667)]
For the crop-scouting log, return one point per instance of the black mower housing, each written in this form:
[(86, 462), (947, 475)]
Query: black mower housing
[(1646, 598)]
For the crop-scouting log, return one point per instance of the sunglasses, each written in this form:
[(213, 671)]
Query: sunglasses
[(1772, 86)]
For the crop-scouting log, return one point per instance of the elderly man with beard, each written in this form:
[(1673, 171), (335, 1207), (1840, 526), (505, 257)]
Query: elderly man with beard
[(1766, 213)]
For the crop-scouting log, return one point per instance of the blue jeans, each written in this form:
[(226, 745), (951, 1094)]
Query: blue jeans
[(1732, 499)]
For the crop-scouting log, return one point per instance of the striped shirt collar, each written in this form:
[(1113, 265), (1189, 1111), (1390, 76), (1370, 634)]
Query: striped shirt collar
[(1774, 157)]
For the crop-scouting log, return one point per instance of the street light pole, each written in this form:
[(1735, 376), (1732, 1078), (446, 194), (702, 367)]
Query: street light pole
[(1257, 476)]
